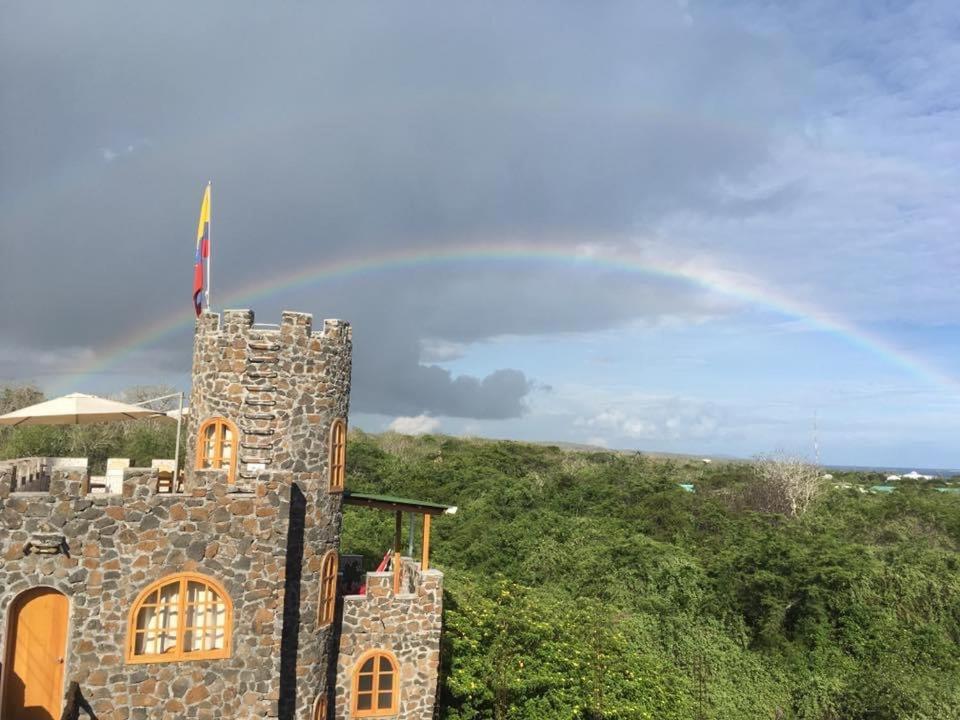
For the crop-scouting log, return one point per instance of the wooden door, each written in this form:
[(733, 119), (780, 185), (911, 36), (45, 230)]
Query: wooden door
[(33, 689)]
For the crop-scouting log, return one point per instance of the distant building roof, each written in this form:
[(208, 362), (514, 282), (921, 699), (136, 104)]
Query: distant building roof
[(882, 488), (688, 487)]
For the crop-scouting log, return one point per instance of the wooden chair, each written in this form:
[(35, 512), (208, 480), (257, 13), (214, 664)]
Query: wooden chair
[(165, 469), (96, 484), (164, 481)]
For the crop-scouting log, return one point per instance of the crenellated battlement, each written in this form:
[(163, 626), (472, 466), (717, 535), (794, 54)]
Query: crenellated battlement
[(71, 488), (407, 624), (281, 386), (242, 323)]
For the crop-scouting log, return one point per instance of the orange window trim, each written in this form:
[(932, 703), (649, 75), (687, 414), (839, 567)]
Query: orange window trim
[(320, 708), (375, 710), (328, 588), (178, 654), (220, 428), (338, 454)]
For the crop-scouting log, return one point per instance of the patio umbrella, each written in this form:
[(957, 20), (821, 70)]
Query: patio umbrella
[(178, 414), (76, 409)]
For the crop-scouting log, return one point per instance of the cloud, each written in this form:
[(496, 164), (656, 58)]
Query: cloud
[(795, 150), (657, 419), (419, 425), (393, 387), (434, 350), (37, 364), (854, 210), (363, 131)]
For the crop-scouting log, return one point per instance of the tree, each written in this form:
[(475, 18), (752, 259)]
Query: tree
[(14, 397), (784, 484), (139, 394)]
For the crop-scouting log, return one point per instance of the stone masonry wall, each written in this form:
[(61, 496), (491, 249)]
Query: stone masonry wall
[(407, 624), (115, 546)]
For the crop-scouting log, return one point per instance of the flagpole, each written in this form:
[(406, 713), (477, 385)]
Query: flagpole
[(209, 240), (176, 452)]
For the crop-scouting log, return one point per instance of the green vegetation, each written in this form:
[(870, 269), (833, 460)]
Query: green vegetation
[(590, 586)]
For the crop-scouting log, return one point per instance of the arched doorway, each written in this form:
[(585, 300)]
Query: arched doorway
[(36, 643)]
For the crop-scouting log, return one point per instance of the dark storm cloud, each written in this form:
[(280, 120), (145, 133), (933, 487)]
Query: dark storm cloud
[(345, 132)]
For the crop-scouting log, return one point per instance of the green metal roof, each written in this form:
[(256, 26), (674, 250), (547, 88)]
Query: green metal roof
[(389, 502)]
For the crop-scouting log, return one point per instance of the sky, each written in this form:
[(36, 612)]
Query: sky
[(719, 228)]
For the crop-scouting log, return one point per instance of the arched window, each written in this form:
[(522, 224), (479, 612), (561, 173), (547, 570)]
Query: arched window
[(216, 446), (181, 617), (320, 708), (328, 588), (375, 687), (338, 454)]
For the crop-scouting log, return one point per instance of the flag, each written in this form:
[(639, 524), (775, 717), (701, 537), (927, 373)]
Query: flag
[(203, 250)]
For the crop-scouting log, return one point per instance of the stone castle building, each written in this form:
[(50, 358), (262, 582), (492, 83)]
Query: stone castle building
[(220, 596)]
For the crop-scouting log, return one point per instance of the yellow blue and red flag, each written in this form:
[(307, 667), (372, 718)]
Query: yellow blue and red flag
[(203, 250)]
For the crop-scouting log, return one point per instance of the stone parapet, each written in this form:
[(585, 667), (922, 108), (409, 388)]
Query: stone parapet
[(406, 624)]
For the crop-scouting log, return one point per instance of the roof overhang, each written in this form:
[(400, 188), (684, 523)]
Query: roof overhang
[(396, 504)]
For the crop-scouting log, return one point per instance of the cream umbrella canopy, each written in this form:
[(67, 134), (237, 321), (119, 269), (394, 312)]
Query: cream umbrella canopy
[(77, 409)]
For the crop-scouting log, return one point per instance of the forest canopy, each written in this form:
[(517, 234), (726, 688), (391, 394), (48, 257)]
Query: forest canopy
[(590, 585)]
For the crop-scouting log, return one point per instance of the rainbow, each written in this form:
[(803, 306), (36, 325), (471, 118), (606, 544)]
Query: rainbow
[(739, 286)]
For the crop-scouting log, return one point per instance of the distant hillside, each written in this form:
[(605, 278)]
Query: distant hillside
[(583, 447), (588, 584)]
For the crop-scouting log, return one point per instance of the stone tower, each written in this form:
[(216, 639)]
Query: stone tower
[(281, 387)]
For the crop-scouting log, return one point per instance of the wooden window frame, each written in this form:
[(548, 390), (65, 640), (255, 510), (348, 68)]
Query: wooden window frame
[(375, 690), (178, 655), (329, 569), (320, 707), (220, 424), (338, 454)]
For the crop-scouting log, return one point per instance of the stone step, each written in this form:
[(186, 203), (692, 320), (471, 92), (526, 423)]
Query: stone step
[(259, 403), (259, 431), (263, 359), (253, 446), (256, 460), (259, 416), (261, 374), (263, 345), (260, 388)]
